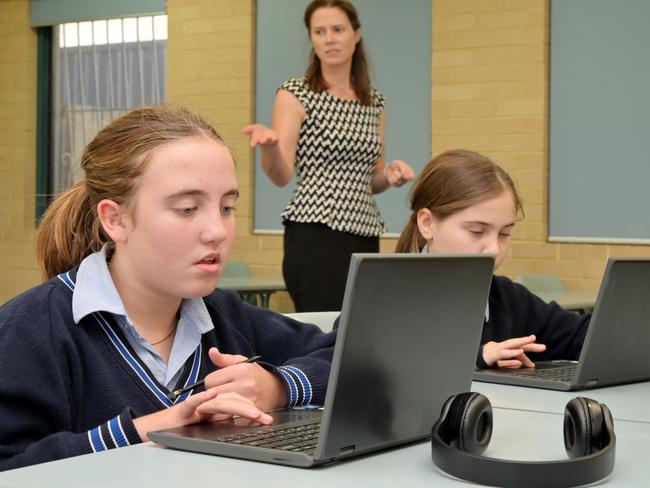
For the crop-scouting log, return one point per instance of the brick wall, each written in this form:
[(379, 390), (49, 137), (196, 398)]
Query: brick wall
[(211, 67), (18, 269)]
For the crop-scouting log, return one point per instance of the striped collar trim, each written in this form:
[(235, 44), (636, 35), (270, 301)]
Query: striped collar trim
[(132, 360)]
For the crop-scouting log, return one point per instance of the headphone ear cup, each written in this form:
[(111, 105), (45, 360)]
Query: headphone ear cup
[(471, 422), (583, 427)]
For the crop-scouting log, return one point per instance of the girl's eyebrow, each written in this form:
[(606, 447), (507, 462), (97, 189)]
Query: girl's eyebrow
[(185, 193), (190, 192), (486, 224)]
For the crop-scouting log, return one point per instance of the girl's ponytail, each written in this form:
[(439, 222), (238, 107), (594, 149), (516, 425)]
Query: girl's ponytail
[(69, 231)]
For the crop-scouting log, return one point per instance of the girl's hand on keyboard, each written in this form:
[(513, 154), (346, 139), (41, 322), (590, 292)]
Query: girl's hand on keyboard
[(202, 407), (511, 353), (227, 405)]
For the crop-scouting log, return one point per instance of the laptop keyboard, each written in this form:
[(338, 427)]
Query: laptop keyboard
[(560, 373), (298, 438)]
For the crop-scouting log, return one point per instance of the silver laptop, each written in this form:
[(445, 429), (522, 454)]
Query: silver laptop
[(617, 345), (408, 335)]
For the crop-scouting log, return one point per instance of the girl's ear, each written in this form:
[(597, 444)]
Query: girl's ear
[(357, 35), (114, 220), (426, 223)]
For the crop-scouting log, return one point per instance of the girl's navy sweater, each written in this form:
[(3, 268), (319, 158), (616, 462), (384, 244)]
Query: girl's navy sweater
[(516, 312), (68, 389)]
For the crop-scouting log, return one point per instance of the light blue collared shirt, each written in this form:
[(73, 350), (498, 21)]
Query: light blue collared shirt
[(95, 292), (425, 250)]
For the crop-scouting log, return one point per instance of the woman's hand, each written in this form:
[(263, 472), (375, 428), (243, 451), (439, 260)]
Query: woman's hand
[(266, 390), (512, 352), (398, 172), (205, 406), (261, 135)]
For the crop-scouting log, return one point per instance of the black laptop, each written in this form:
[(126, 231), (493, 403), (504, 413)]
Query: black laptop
[(617, 346), (407, 339)]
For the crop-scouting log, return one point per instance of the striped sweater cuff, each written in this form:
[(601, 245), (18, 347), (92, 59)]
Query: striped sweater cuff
[(298, 385), (117, 432)]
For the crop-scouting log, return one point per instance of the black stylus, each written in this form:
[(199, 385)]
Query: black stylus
[(176, 393)]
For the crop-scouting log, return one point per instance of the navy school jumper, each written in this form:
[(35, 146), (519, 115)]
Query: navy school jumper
[(68, 389), (516, 312)]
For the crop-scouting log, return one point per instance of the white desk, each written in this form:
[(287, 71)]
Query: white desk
[(627, 402), (517, 435)]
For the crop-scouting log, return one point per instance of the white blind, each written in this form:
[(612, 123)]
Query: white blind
[(101, 69)]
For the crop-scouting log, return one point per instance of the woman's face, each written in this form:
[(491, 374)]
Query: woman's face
[(482, 228), (182, 226), (332, 36)]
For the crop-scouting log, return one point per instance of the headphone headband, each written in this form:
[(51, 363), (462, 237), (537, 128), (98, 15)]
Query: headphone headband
[(510, 473)]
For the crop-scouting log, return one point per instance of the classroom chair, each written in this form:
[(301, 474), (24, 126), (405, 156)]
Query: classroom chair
[(545, 285), (541, 283)]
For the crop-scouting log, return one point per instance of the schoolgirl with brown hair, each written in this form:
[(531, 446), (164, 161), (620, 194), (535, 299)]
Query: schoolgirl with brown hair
[(462, 202), (129, 312)]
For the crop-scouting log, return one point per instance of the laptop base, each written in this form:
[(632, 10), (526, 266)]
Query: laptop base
[(204, 438), (532, 377)]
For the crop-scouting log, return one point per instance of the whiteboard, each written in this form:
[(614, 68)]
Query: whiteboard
[(599, 121)]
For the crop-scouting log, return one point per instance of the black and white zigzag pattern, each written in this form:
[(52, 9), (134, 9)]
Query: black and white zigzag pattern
[(338, 147)]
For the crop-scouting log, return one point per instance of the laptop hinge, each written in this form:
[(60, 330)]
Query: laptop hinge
[(346, 451)]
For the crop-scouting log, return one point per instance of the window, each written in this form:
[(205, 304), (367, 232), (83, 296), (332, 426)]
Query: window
[(100, 70)]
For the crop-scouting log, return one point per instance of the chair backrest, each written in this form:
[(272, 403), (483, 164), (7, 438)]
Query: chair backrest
[(236, 270), (324, 320), (540, 283)]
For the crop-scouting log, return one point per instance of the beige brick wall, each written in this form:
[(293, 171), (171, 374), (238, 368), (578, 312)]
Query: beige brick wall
[(211, 67), (17, 149), (490, 94)]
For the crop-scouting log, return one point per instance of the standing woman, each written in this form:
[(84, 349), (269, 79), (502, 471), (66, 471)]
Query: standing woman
[(328, 127)]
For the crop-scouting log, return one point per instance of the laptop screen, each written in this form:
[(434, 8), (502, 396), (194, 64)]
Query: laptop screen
[(406, 319)]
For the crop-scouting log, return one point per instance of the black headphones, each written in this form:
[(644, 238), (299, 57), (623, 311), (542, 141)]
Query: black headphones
[(463, 432)]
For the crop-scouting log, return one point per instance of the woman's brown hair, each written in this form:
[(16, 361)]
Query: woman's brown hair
[(449, 183), (359, 75), (112, 162)]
